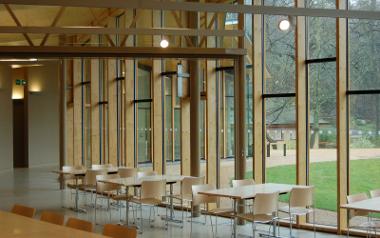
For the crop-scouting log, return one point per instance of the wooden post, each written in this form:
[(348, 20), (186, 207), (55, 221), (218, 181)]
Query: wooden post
[(211, 108), (77, 112), (185, 135), (258, 104), (62, 118), (342, 112), (158, 159), (240, 97), (302, 128), (95, 128), (129, 97), (130, 114), (112, 112), (301, 99), (69, 112)]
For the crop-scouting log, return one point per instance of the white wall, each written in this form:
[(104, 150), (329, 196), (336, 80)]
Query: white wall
[(44, 115), (6, 111)]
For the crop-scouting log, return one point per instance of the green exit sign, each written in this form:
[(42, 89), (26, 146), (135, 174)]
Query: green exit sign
[(20, 82)]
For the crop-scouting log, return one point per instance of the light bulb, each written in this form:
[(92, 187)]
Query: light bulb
[(284, 25), (164, 43)]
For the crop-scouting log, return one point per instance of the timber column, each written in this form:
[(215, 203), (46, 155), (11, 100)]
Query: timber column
[(195, 100), (240, 154)]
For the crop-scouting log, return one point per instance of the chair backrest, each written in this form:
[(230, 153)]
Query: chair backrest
[(101, 166), (52, 217), (199, 199), (153, 189), (23, 210), (79, 224), (90, 177), (106, 187), (127, 172), (188, 182), (116, 231), (242, 182), (301, 196), (357, 198), (146, 173), (67, 168), (375, 193), (265, 203)]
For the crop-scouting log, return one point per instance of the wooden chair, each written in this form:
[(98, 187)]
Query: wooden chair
[(23, 210), (242, 182), (79, 224), (52, 217), (116, 231), (369, 225), (127, 172), (375, 193), (146, 173)]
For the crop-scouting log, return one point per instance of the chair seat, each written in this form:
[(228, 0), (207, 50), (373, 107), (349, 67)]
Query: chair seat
[(262, 218), (296, 211), (146, 201), (72, 186), (184, 197), (370, 224), (221, 211), (121, 197)]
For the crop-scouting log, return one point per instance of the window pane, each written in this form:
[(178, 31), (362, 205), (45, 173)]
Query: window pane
[(364, 54), (249, 121), (321, 37), (229, 114), (280, 140), (144, 132), (168, 120), (364, 144), (227, 126), (279, 60), (321, 4), (323, 153), (144, 127), (368, 5)]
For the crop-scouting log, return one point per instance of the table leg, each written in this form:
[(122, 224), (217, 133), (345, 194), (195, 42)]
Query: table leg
[(76, 204), (235, 218), (76, 194), (171, 217), (127, 206), (171, 202)]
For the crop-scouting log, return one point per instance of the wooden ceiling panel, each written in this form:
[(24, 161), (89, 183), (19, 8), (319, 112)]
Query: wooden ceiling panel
[(6, 19)]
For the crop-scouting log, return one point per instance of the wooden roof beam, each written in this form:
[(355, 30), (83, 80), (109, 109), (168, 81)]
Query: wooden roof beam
[(54, 23), (203, 7), (122, 52), (15, 19)]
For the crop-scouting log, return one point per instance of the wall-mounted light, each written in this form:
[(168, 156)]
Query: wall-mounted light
[(35, 89), (19, 60), (17, 95), (164, 43), (18, 66)]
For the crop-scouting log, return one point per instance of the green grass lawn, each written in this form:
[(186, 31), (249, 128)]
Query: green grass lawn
[(364, 176)]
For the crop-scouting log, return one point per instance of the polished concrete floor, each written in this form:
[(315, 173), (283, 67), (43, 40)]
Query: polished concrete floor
[(39, 188)]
